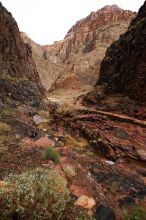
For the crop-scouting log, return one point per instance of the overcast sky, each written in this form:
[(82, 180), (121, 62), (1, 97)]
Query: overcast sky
[(46, 21)]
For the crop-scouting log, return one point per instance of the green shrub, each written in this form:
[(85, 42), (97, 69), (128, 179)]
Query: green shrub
[(51, 154), (4, 128), (35, 194), (138, 214)]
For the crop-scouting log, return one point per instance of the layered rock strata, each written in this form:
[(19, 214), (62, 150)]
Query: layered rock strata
[(75, 61)]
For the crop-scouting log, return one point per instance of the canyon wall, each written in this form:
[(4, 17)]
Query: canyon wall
[(75, 61), (19, 78), (123, 69)]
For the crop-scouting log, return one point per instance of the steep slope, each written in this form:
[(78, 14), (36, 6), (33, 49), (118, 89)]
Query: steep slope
[(85, 44), (124, 66), (102, 151), (48, 70), (120, 93), (19, 79), (75, 61)]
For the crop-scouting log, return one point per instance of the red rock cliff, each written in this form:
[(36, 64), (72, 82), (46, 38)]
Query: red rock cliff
[(87, 29), (85, 44), (75, 61)]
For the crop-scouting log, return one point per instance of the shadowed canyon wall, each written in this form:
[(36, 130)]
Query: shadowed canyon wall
[(124, 66), (19, 78)]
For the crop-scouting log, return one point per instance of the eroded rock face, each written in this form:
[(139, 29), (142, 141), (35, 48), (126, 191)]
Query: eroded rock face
[(124, 65), (18, 74), (85, 44), (47, 67), (80, 53)]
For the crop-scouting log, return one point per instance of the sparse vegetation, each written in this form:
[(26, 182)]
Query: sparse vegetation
[(8, 77), (114, 186), (3, 148), (9, 110), (4, 128), (51, 154), (22, 145), (138, 214), (44, 114), (84, 216), (140, 23), (69, 171), (12, 78), (62, 109), (35, 194), (10, 102), (72, 142)]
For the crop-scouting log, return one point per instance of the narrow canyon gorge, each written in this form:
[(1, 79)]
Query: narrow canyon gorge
[(73, 120)]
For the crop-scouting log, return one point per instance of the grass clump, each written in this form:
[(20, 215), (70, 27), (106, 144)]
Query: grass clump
[(4, 128), (38, 194), (138, 214), (51, 154), (73, 143)]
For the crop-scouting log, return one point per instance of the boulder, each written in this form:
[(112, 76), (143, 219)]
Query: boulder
[(85, 202)]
